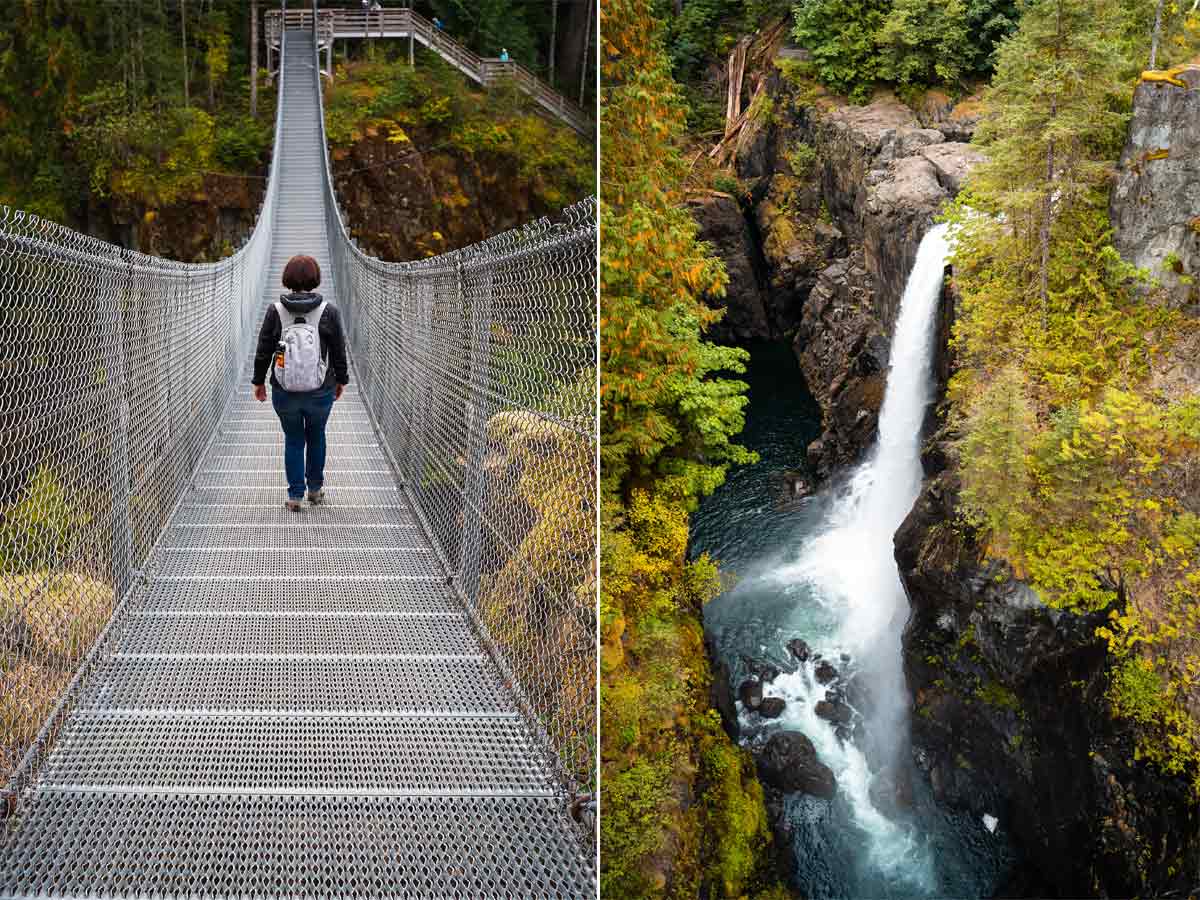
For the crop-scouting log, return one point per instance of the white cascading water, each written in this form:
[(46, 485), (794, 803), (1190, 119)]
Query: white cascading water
[(850, 569)]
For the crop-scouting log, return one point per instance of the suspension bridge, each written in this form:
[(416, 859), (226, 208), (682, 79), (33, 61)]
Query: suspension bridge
[(392, 694)]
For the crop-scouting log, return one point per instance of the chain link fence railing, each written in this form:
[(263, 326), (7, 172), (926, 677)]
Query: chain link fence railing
[(117, 368), (479, 368)]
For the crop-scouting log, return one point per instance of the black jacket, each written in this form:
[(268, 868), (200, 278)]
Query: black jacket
[(333, 341)]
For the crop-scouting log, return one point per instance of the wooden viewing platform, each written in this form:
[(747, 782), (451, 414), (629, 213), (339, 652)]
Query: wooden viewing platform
[(345, 24)]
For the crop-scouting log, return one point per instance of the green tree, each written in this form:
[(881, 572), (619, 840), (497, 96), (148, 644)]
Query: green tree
[(1054, 125), (682, 814), (664, 409), (988, 23), (993, 454), (1077, 469), (924, 41), (840, 35)]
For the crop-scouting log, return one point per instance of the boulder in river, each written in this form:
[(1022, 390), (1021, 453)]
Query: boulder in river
[(833, 711), (788, 762), (826, 672), (760, 669), (771, 707), (797, 483), (751, 693), (799, 649)]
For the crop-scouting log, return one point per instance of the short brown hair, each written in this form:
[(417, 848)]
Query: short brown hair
[(301, 274)]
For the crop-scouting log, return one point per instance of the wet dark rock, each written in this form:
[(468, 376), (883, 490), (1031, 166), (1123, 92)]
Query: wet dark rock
[(799, 649), (721, 693), (835, 712), (772, 707), (1035, 743), (723, 225), (751, 693), (825, 672), (797, 484), (761, 669), (788, 762), (843, 354)]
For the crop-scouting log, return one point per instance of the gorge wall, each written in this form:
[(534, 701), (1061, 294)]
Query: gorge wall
[(1010, 714), (835, 200), (401, 204)]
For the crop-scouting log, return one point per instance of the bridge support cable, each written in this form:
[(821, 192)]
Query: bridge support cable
[(383, 695)]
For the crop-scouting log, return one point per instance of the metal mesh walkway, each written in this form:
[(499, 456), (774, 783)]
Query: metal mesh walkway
[(302, 704)]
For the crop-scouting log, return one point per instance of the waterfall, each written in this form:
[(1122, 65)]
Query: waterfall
[(849, 569)]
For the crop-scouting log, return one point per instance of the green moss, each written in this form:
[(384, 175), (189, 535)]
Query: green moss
[(633, 806), (737, 820), (762, 109), (993, 693), (803, 159), (727, 183), (967, 637)]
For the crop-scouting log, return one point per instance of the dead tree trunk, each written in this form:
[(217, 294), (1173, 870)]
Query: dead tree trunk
[(183, 29), (554, 35), (736, 70), (583, 61), (1158, 11), (253, 59)]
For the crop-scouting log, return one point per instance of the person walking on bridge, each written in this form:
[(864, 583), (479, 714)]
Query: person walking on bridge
[(302, 343)]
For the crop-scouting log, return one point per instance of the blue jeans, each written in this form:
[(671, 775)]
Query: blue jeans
[(303, 417)]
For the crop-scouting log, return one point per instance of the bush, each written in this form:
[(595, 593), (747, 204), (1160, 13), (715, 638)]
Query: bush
[(241, 145), (38, 530), (727, 183), (802, 158)]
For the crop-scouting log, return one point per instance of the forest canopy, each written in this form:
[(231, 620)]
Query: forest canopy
[(135, 101)]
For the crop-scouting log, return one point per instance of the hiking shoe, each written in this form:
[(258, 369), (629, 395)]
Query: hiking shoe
[(316, 497), (294, 505)]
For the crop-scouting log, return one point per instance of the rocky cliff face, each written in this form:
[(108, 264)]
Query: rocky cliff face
[(1155, 202), (1010, 719), (837, 201), (724, 226), (211, 223), (405, 204)]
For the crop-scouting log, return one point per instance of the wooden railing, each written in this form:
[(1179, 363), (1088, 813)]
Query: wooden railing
[(349, 24)]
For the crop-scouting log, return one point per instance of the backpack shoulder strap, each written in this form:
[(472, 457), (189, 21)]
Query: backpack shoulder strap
[(318, 312), (285, 317)]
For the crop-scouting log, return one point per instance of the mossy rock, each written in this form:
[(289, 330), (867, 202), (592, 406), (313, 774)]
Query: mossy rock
[(59, 615)]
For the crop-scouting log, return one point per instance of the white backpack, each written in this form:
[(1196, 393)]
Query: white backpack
[(302, 368)]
